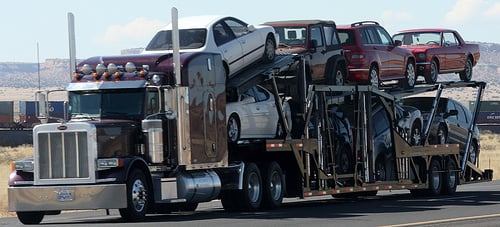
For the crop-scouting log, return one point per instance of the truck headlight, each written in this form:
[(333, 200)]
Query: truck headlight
[(23, 165), (107, 163)]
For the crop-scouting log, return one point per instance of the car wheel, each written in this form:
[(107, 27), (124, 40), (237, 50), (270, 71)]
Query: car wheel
[(442, 134), (450, 180), (273, 186), (410, 76), (137, 197), (233, 128), (380, 170), (432, 75), (336, 77), (435, 178), (415, 133), (344, 161), (466, 75), (374, 76), (473, 152), (269, 50)]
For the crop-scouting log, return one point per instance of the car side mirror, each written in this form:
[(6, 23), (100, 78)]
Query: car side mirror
[(313, 44), (451, 113), (398, 42), (250, 28)]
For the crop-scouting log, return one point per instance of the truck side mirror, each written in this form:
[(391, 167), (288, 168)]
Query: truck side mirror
[(42, 110)]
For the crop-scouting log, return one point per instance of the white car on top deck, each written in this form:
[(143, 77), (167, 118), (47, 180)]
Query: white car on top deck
[(239, 43)]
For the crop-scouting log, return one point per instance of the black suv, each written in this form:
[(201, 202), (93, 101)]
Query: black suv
[(318, 40)]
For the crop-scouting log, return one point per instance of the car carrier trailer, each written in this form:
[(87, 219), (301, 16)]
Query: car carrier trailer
[(147, 137)]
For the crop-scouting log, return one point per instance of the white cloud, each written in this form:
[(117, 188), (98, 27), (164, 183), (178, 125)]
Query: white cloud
[(493, 12), (390, 15), (139, 30), (464, 10)]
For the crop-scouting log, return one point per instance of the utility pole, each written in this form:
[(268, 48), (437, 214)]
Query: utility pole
[(38, 60)]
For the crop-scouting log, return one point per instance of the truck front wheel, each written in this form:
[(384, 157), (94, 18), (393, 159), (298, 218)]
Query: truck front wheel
[(31, 217), (137, 197)]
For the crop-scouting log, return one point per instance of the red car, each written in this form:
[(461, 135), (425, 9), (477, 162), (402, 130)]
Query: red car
[(374, 57), (439, 51)]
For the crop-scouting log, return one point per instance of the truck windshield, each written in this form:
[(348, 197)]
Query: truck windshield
[(188, 38), (106, 104)]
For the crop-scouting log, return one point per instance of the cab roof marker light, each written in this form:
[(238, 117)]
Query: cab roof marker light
[(130, 67), (86, 69), (112, 68)]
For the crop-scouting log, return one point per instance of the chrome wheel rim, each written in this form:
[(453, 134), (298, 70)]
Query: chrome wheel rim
[(139, 195)]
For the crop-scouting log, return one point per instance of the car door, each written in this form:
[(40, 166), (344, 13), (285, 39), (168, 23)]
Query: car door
[(317, 59), (267, 118), (454, 129), (454, 58), (394, 57), (229, 47), (463, 124), (252, 44)]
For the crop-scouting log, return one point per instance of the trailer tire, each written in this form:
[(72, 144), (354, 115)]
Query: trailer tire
[(435, 178), (251, 195), (30, 217), (273, 186), (450, 178), (137, 197)]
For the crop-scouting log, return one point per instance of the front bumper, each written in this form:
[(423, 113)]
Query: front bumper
[(75, 197)]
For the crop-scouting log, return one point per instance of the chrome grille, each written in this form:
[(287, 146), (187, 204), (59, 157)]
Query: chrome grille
[(63, 155)]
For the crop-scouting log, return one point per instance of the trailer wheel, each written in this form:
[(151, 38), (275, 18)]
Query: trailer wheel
[(450, 177), (273, 186), (31, 217), (251, 194), (435, 178), (137, 197)]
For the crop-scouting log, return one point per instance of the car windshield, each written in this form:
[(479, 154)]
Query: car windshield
[(292, 35), (188, 39), (106, 104), (419, 38)]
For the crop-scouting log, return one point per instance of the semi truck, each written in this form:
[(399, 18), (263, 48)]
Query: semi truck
[(148, 135)]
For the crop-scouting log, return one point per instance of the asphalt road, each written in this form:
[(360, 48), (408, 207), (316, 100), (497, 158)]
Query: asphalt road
[(472, 205)]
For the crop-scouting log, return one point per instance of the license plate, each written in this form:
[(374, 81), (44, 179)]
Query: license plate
[(65, 195)]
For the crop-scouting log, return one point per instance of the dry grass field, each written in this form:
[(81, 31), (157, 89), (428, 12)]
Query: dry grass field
[(488, 159)]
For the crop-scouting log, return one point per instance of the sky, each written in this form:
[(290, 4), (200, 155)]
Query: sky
[(34, 30)]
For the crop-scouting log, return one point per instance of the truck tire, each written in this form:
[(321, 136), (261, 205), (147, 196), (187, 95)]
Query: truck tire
[(31, 217), (251, 195), (435, 178), (450, 179), (273, 186), (137, 197)]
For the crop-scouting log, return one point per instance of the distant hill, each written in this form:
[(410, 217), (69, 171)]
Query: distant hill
[(55, 72)]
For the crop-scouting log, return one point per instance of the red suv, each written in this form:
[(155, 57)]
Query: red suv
[(373, 57)]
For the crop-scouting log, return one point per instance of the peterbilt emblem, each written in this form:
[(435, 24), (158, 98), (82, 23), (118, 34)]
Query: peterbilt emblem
[(62, 127)]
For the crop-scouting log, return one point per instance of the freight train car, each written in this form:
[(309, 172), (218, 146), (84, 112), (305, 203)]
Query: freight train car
[(28, 112), (6, 114)]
